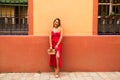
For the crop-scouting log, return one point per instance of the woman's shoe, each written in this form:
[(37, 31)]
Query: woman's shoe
[(56, 76)]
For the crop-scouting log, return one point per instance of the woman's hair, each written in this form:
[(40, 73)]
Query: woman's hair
[(58, 20)]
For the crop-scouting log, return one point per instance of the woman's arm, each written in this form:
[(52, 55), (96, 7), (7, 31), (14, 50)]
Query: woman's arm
[(50, 36), (61, 36)]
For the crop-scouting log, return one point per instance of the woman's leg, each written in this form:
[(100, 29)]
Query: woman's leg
[(57, 63), (52, 68)]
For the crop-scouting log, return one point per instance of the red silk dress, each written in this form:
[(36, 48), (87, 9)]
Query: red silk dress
[(55, 38)]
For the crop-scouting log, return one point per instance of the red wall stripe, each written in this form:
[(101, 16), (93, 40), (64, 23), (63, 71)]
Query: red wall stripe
[(30, 17), (80, 53), (95, 15)]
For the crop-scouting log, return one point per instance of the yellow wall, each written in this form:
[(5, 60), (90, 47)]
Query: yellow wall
[(75, 15)]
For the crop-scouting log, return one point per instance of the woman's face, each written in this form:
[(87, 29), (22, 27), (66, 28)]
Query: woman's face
[(56, 23)]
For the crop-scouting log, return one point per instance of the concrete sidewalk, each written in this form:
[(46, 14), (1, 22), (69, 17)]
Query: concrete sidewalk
[(63, 76)]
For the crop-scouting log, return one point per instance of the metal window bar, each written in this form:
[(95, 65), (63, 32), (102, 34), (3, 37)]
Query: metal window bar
[(13, 17), (116, 1), (109, 23), (103, 1)]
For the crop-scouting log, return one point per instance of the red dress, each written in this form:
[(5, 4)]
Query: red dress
[(55, 38)]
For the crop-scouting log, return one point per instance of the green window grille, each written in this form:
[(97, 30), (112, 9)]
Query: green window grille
[(13, 1)]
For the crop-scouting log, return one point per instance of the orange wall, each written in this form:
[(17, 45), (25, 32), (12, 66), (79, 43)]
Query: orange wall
[(95, 19), (83, 53), (76, 16), (30, 17), (80, 53)]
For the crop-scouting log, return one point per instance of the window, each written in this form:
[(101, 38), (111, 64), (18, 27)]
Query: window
[(13, 17), (109, 17)]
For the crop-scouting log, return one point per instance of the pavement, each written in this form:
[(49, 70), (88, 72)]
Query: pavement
[(63, 76)]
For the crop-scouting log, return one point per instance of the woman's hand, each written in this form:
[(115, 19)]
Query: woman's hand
[(50, 47), (56, 46)]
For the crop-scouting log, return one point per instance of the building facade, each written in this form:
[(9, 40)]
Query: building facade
[(86, 45)]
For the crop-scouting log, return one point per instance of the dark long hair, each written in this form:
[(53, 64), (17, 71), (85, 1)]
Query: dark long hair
[(58, 20)]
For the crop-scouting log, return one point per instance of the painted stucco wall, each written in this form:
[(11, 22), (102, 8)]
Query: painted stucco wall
[(76, 16), (80, 53)]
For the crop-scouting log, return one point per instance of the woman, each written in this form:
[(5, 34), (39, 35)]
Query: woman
[(55, 39)]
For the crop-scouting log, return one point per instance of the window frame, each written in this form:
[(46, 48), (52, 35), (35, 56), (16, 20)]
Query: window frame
[(108, 22), (15, 31)]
